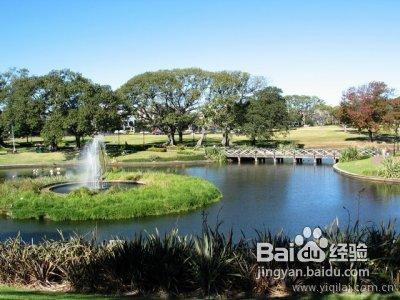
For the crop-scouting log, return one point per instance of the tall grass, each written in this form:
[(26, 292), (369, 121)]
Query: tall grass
[(203, 265)]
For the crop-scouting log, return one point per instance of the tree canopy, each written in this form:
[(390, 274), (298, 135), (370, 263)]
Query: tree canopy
[(364, 107)]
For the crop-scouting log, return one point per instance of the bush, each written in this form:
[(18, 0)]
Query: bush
[(185, 152), (216, 154), (157, 149), (350, 154), (390, 168)]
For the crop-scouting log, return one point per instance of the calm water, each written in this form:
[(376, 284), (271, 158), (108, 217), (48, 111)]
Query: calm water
[(255, 196)]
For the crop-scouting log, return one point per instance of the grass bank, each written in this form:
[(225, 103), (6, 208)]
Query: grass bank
[(160, 194), (13, 293), (363, 167), (34, 158), (168, 155)]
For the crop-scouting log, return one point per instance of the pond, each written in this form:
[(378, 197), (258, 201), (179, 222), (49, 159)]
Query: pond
[(274, 197)]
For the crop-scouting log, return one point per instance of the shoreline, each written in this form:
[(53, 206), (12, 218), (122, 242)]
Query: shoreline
[(113, 164), (365, 177)]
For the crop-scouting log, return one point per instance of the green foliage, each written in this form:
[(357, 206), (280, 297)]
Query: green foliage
[(156, 149), (205, 265), (303, 110), (166, 99), (349, 154), (266, 114), (390, 168), (216, 154), (229, 96), (160, 194)]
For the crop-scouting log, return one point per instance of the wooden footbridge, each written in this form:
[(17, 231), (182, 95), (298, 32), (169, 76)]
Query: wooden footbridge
[(295, 155)]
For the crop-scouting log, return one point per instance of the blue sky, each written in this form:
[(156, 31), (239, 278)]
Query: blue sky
[(304, 47)]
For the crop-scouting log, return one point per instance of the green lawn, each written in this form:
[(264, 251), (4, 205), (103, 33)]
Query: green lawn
[(32, 158), (366, 167), (170, 155), (11, 293), (307, 137)]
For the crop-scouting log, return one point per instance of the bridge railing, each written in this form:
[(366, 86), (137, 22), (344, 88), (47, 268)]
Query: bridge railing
[(310, 152)]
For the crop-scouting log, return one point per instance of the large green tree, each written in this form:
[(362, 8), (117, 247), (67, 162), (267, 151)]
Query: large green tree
[(266, 114), (167, 100), (83, 107), (302, 109), (228, 98), (25, 107)]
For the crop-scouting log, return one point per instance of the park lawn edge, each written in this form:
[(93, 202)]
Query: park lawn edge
[(22, 292), (160, 194), (28, 292), (363, 169)]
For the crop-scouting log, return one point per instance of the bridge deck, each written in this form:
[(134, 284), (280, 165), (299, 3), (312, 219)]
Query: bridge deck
[(295, 154)]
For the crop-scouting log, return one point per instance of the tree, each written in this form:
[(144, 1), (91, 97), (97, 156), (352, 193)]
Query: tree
[(109, 110), (229, 96), (391, 119), (302, 108), (6, 82), (25, 107), (266, 114), (193, 85), (150, 95), (364, 107), (83, 107), (53, 130), (167, 100)]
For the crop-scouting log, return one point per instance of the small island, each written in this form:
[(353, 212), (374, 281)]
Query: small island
[(158, 194)]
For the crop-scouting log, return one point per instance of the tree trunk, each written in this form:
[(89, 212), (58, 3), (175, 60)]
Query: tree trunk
[(171, 138), (371, 138), (253, 141), (180, 133), (27, 139), (78, 141), (202, 138), (225, 138)]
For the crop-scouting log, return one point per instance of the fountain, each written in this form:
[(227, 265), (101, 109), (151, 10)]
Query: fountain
[(92, 170), (94, 164)]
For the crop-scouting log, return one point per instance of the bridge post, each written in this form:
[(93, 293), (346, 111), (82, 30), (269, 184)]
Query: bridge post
[(256, 160), (238, 158), (274, 157)]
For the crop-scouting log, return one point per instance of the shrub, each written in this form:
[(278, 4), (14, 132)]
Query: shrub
[(185, 152), (350, 154), (216, 154), (390, 168), (209, 263), (156, 149)]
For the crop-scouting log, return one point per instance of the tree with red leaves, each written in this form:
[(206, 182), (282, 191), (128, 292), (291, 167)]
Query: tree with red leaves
[(391, 119), (365, 106)]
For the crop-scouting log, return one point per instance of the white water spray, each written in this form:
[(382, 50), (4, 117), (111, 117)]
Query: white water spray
[(93, 166)]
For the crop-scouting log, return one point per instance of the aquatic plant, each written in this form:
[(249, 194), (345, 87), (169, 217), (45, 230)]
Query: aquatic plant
[(208, 264)]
